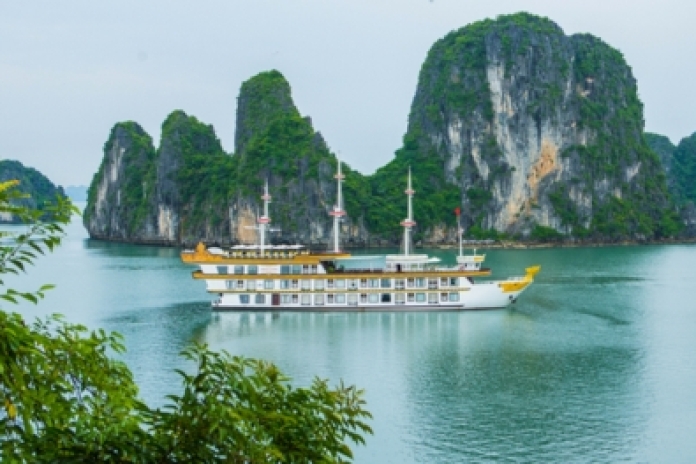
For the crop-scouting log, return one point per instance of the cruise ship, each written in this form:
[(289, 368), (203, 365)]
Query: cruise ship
[(265, 277)]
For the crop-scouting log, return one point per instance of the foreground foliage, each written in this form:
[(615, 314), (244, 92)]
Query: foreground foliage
[(65, 399)]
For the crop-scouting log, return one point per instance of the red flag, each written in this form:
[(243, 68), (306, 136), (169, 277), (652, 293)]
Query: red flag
[(457, 211)]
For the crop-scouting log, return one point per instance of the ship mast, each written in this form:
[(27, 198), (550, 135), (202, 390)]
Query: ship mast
[(338, 211), (408, 222), (265, 219), (460, 231)]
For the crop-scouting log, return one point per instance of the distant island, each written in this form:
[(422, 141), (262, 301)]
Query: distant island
[(533, 134), (39, 188)]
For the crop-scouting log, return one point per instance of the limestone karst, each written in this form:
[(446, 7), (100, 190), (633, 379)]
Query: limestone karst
[(531, 132)]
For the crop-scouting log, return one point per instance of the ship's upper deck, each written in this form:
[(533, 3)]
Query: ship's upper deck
[(216, 263), (270, 255)]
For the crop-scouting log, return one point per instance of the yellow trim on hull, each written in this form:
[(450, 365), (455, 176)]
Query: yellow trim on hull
[(512, 286)]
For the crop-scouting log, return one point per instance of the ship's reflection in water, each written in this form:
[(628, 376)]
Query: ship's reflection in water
[(224, 324), (384, 353)]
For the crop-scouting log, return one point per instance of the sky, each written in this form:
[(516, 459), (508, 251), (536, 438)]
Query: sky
[(70, 70)]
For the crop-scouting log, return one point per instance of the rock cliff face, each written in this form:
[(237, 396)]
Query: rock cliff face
[(536, 128), (193, 182), (162, 196), (117, 199), (32, 183), (189, 189)]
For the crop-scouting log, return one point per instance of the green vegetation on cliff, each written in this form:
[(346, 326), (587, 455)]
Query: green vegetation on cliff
[(202, 171), (139, 174), (39, 191), (285, 148), (262, 100), (610, 108)]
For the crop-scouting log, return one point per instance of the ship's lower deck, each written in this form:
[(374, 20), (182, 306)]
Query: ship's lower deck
[(478, 296)]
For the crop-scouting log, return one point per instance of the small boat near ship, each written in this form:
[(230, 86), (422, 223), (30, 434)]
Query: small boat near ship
[(294, 278)]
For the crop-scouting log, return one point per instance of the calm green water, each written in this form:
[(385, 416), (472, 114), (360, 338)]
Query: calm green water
[(595, 363)]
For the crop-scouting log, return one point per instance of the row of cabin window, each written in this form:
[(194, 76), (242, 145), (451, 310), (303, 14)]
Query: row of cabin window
[(352, 298), (352, 284), (253, 269)]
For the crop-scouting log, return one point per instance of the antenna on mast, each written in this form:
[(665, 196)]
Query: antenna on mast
[(338, 211), (408, 222)]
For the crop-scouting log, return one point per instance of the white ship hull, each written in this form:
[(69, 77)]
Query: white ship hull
[(448, 293)]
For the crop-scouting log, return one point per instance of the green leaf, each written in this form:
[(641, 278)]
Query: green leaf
[(8, 298)]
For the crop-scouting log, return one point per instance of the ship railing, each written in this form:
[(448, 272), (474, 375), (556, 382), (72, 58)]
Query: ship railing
[(407, 272), (357, 271), (265, 255)]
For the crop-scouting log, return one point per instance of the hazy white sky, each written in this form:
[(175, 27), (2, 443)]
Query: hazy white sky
[(71, 69)]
